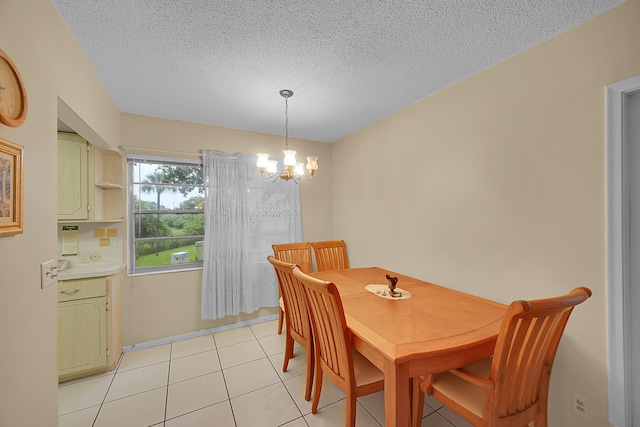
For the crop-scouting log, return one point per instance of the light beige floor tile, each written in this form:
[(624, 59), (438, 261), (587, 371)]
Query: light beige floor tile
[(427, 410), (83, 394), (192, 346), (82, 418), (454, 418), (264, 329), (144, 409), (218, 415), (196, 393), (299, 422), (270, 406), (374, 404), (297, 364), (233, 336), (334, 415), (437, 420), (238, 354), (273, 344), (193, 366), (145, 357), (432, 402), (249, 377), (330, 393), (139, 380)]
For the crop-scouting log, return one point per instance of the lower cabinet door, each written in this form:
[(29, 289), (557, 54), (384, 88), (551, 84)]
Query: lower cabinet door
[(82, 336)]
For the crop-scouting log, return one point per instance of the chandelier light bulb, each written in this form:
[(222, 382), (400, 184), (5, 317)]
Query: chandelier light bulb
[(312, 163), (289, 157), (272, 167), (263, 161)]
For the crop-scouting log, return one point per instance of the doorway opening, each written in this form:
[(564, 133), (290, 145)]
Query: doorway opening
[(623, 191)]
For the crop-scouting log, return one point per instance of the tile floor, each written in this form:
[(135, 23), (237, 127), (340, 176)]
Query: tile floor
[(229, 379)]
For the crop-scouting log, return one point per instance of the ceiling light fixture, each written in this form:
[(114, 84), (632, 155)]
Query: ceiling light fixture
[(292, 168)]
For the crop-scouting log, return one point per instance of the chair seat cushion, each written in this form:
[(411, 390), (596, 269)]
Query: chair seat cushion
[(464, 393), (365, 371)]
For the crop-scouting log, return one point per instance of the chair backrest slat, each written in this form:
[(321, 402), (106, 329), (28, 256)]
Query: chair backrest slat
[(295, 253), (331, 255)]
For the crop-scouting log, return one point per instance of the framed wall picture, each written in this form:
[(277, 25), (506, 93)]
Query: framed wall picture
[(10, 188), (13, 97)]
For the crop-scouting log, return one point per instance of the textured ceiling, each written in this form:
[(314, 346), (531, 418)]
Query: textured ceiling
[(349, 63)]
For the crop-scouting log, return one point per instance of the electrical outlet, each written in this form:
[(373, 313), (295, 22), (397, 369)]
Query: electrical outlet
[(95, 256), (48, 273), (580, 405)]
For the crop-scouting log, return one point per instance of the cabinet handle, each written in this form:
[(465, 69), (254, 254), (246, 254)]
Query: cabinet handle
[(70, 293)]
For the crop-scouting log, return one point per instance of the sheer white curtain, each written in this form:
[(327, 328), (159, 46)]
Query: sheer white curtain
[(244, 215)]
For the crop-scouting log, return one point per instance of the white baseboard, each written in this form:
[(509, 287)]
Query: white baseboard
[(196, 334)]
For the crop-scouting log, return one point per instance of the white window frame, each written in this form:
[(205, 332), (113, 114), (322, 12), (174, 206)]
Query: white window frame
[(131, 213)]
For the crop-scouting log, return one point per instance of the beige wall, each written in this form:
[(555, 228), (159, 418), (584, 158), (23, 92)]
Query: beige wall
[(52, 65), (165, 305), (496, 186)]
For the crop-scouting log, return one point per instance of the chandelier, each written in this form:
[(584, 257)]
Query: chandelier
[(292, 169)]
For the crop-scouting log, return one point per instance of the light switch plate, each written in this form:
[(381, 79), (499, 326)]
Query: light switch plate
[(48, 273)]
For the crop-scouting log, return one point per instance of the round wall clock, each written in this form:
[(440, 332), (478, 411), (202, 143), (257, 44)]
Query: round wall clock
[(13, 97)]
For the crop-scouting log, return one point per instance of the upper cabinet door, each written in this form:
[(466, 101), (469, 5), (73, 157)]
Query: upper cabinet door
[(72, 178)]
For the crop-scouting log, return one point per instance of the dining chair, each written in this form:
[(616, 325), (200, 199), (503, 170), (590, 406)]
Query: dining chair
[(334, 356), (511, 388), (331, 255), (294, 253), (298, 323)]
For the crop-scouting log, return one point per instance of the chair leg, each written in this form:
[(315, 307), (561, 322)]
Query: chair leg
[(417, 403), (318, 386), (288, 350), (309, 384), (280, 319), (350, 410), (541, 419)]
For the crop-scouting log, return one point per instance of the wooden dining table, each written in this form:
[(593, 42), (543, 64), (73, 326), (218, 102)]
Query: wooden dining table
[(434, 330)]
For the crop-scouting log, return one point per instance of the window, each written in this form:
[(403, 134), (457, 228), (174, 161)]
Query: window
[(166, 205)]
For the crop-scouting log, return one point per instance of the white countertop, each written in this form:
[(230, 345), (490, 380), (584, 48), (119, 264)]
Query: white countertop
[(84, 271)]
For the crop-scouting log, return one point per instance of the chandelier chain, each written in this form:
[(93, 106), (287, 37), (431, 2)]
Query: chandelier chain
[(286, 122)]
